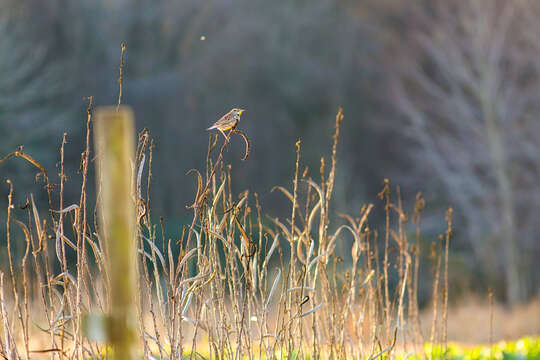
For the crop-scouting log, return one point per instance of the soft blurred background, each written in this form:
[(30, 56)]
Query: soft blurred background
[(439, 96)]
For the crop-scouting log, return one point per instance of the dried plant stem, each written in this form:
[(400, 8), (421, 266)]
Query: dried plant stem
[(121, 75), (291, 273), (9, 343), (385, 194), (490, 339), (418, 207), (7, 331), (436, 257), (448, 234), (81, 227), (60, 231)]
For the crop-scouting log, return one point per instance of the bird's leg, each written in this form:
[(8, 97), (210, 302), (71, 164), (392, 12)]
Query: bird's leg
[(228, 137), (222, 132)]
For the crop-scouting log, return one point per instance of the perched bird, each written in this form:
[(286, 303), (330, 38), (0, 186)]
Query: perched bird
[(227, 121)]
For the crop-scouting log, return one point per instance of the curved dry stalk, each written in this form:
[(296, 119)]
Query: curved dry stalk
[(199, 188), (246, 140), (20, 153)]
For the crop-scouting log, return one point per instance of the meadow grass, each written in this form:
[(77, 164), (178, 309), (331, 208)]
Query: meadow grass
[(249, 285), (233, 283)]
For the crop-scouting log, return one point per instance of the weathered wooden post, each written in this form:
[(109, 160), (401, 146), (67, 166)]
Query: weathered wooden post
[(114, 141)]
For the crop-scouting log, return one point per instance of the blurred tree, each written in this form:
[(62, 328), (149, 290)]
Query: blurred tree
[(467, 85), (33, 111), (28, 87)]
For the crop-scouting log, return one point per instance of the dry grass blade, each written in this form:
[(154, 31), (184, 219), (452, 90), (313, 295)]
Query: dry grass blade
[(388, 349), (308, 288), (272, 290), (19, 153), (67, 209), (246, 140), (310, 311), (199, 188), (271, 251)]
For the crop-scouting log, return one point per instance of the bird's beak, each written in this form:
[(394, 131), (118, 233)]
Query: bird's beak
[(240, 111)]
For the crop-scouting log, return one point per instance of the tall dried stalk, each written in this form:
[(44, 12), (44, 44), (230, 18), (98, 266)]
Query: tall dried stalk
[(447, 237)]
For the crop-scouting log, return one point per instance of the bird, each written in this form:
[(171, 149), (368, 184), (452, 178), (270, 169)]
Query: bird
[(227, 121)]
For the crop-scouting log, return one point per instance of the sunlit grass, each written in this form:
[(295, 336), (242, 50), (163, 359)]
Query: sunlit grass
[(527, 348)]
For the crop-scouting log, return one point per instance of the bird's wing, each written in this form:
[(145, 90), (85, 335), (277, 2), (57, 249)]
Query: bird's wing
[(216, 124), (225, 119)]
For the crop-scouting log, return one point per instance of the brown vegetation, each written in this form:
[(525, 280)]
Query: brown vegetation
[(243, 282)]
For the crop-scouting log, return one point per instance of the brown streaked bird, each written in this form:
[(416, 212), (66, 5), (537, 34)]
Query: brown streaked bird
[(227, 121)]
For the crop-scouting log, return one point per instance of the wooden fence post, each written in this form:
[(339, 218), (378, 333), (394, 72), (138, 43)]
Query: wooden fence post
[(114, 142)]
